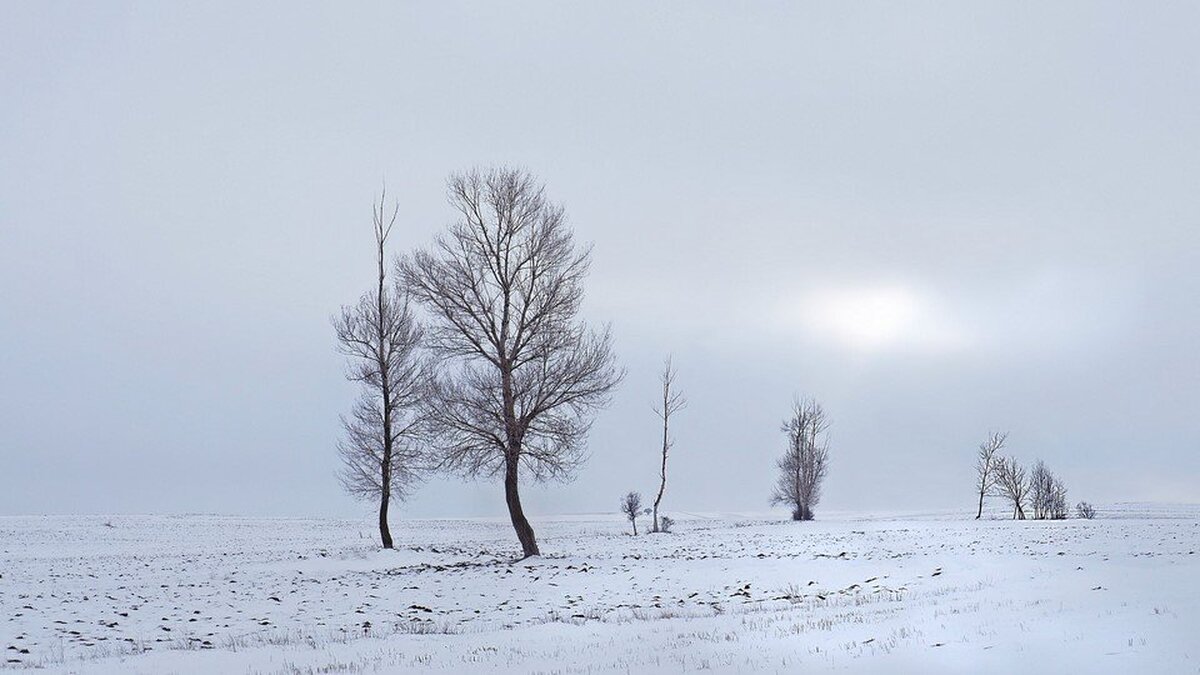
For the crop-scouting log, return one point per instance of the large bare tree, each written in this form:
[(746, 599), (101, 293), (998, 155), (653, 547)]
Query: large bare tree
[(380, 337), (987, 466), (522, 375), (672, 402), (803, 466)]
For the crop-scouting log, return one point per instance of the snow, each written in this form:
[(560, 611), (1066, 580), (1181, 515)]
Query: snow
[(725, 592)]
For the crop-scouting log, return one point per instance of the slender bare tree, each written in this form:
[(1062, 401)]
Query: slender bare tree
[(521, 376), (803, 467), (986, 466), (1013, 485), (380, 338), (672, 402), (631, 506)]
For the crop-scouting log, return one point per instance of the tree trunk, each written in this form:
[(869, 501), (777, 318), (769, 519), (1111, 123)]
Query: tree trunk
[(384, 533), (529, 545), (802, 512), (385, 493), (662, 486), (634, 521), (980, 514)]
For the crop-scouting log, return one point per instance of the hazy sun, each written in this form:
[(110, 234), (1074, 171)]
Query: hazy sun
[(872, 319)]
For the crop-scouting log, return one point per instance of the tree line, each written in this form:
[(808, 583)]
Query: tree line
[(499, 378), (1038, 488)]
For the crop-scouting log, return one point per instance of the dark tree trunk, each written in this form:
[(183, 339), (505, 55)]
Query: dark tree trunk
[(384, 533), (980, 514), (529, 545), (385, 495)]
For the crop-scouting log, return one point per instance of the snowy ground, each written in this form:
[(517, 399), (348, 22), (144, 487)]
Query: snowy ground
[(202, 594)]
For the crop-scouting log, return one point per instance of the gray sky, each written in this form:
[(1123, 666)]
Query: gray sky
[(938, 219)]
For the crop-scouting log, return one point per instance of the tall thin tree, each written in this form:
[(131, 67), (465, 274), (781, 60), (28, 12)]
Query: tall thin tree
[(380, 338), (986, 466), (521, 375), (672, 402)]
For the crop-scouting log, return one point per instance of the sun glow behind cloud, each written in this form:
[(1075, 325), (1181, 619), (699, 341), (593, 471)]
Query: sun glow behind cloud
[(874, 319)]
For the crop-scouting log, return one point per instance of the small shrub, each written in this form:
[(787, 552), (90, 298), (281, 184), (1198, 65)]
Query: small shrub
[(665, 523), (1085, 510)]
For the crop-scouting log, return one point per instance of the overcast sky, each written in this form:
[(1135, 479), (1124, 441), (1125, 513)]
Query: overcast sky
[(937, 219)]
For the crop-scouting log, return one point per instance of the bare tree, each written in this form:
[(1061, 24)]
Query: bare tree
[(672, 402), (1012, 484), (1040, 485), (1048, 495), (802, 468), (631, 505), (1085, 510), (521, 376), (986, 466), (380, 337), (1058, 501)]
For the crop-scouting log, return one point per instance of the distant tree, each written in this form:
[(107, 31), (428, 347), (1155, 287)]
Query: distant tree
[(672, 402), (520, 375), (1058, 504), (1047, 494), (986, 466), (380, 338), (1085, 510), (806, 461), (631, 504), (1039, 489), (665, 523), (1013, 485)]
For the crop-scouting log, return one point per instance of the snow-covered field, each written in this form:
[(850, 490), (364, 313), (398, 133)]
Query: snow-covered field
[(903, 593)]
